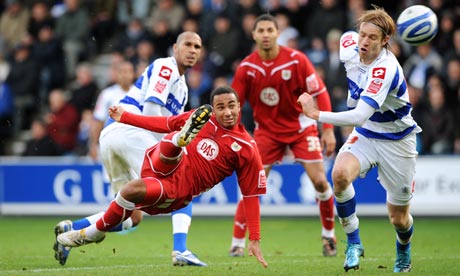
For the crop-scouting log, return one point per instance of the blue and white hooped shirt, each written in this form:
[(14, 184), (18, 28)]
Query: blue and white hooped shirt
[(381, 85)]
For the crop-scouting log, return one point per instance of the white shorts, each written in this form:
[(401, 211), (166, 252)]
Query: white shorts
[(122, 150), (395, 161)]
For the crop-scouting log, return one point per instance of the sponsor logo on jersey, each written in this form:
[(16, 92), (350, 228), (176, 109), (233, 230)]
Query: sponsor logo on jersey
[(312, 83), (269, 96), (165, 72), (286, 74), (375, 86), (348, 41), (160, 86), (208, 149), (378, 72), (235, 146), (262, 179)]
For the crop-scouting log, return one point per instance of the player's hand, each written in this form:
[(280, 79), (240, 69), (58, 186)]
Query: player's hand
[(308, 106), (328, 141), (254, 250), (94, 151), (115, 112)]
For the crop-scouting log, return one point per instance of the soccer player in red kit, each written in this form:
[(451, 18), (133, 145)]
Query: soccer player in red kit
[(185, 164), (271, 79)]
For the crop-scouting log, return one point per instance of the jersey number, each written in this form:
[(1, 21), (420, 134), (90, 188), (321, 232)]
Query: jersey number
[(313, 143), (165, 204)]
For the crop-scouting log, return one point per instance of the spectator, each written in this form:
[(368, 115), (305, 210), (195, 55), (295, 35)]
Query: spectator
[(23, 79), (194, 9), (317, 52), (453, 83), (127, 10), (84, 90), (169, 10), (335, 75), (161, 36), (355, 9), (73, 29), (326, 16), (49, 55), (211, 12), (454, 51), (103, 22), (145, 53), (287, 32), (438, 123), (421, 64), (222, 46), (442, 42), (245, 42), (40, 143), (127, 41), (84, 130), (40, 17), (13, 23), (63, 121), (297, 12), (243, 7), (190, 24)]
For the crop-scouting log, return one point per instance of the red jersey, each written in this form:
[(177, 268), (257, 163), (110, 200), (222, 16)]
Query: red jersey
[(272, 88), (213, 155)]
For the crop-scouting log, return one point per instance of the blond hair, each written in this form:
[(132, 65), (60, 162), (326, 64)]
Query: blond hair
[(380, 18)]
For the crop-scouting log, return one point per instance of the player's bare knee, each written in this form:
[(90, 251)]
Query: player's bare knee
[(341, 177), (399, 221), (320, 183), (134, 191)]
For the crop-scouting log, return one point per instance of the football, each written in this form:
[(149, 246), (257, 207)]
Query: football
[(417, 25)]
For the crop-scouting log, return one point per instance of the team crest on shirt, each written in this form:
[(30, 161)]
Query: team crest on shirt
[(269, 96), (286, 74), (208, 149), (165, 73), (235, 146)]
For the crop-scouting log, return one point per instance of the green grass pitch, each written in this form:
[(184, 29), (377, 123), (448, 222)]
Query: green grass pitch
[(291, 246)]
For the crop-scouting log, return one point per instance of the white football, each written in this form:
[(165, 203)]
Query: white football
[(417, 25)]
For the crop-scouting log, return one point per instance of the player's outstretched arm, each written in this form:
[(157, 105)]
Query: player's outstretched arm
[(254, 250)]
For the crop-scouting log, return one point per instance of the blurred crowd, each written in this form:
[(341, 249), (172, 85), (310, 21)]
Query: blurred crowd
[(48, 87)]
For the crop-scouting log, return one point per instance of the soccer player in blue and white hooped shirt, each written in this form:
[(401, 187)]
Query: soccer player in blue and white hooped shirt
[(384, 133), (160, 91)]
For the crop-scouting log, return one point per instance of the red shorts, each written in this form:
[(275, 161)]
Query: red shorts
[(163, 196), (166, 187), (305, 146)]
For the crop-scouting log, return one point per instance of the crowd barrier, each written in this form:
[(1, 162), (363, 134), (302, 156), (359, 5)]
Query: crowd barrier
[(73, 186)]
